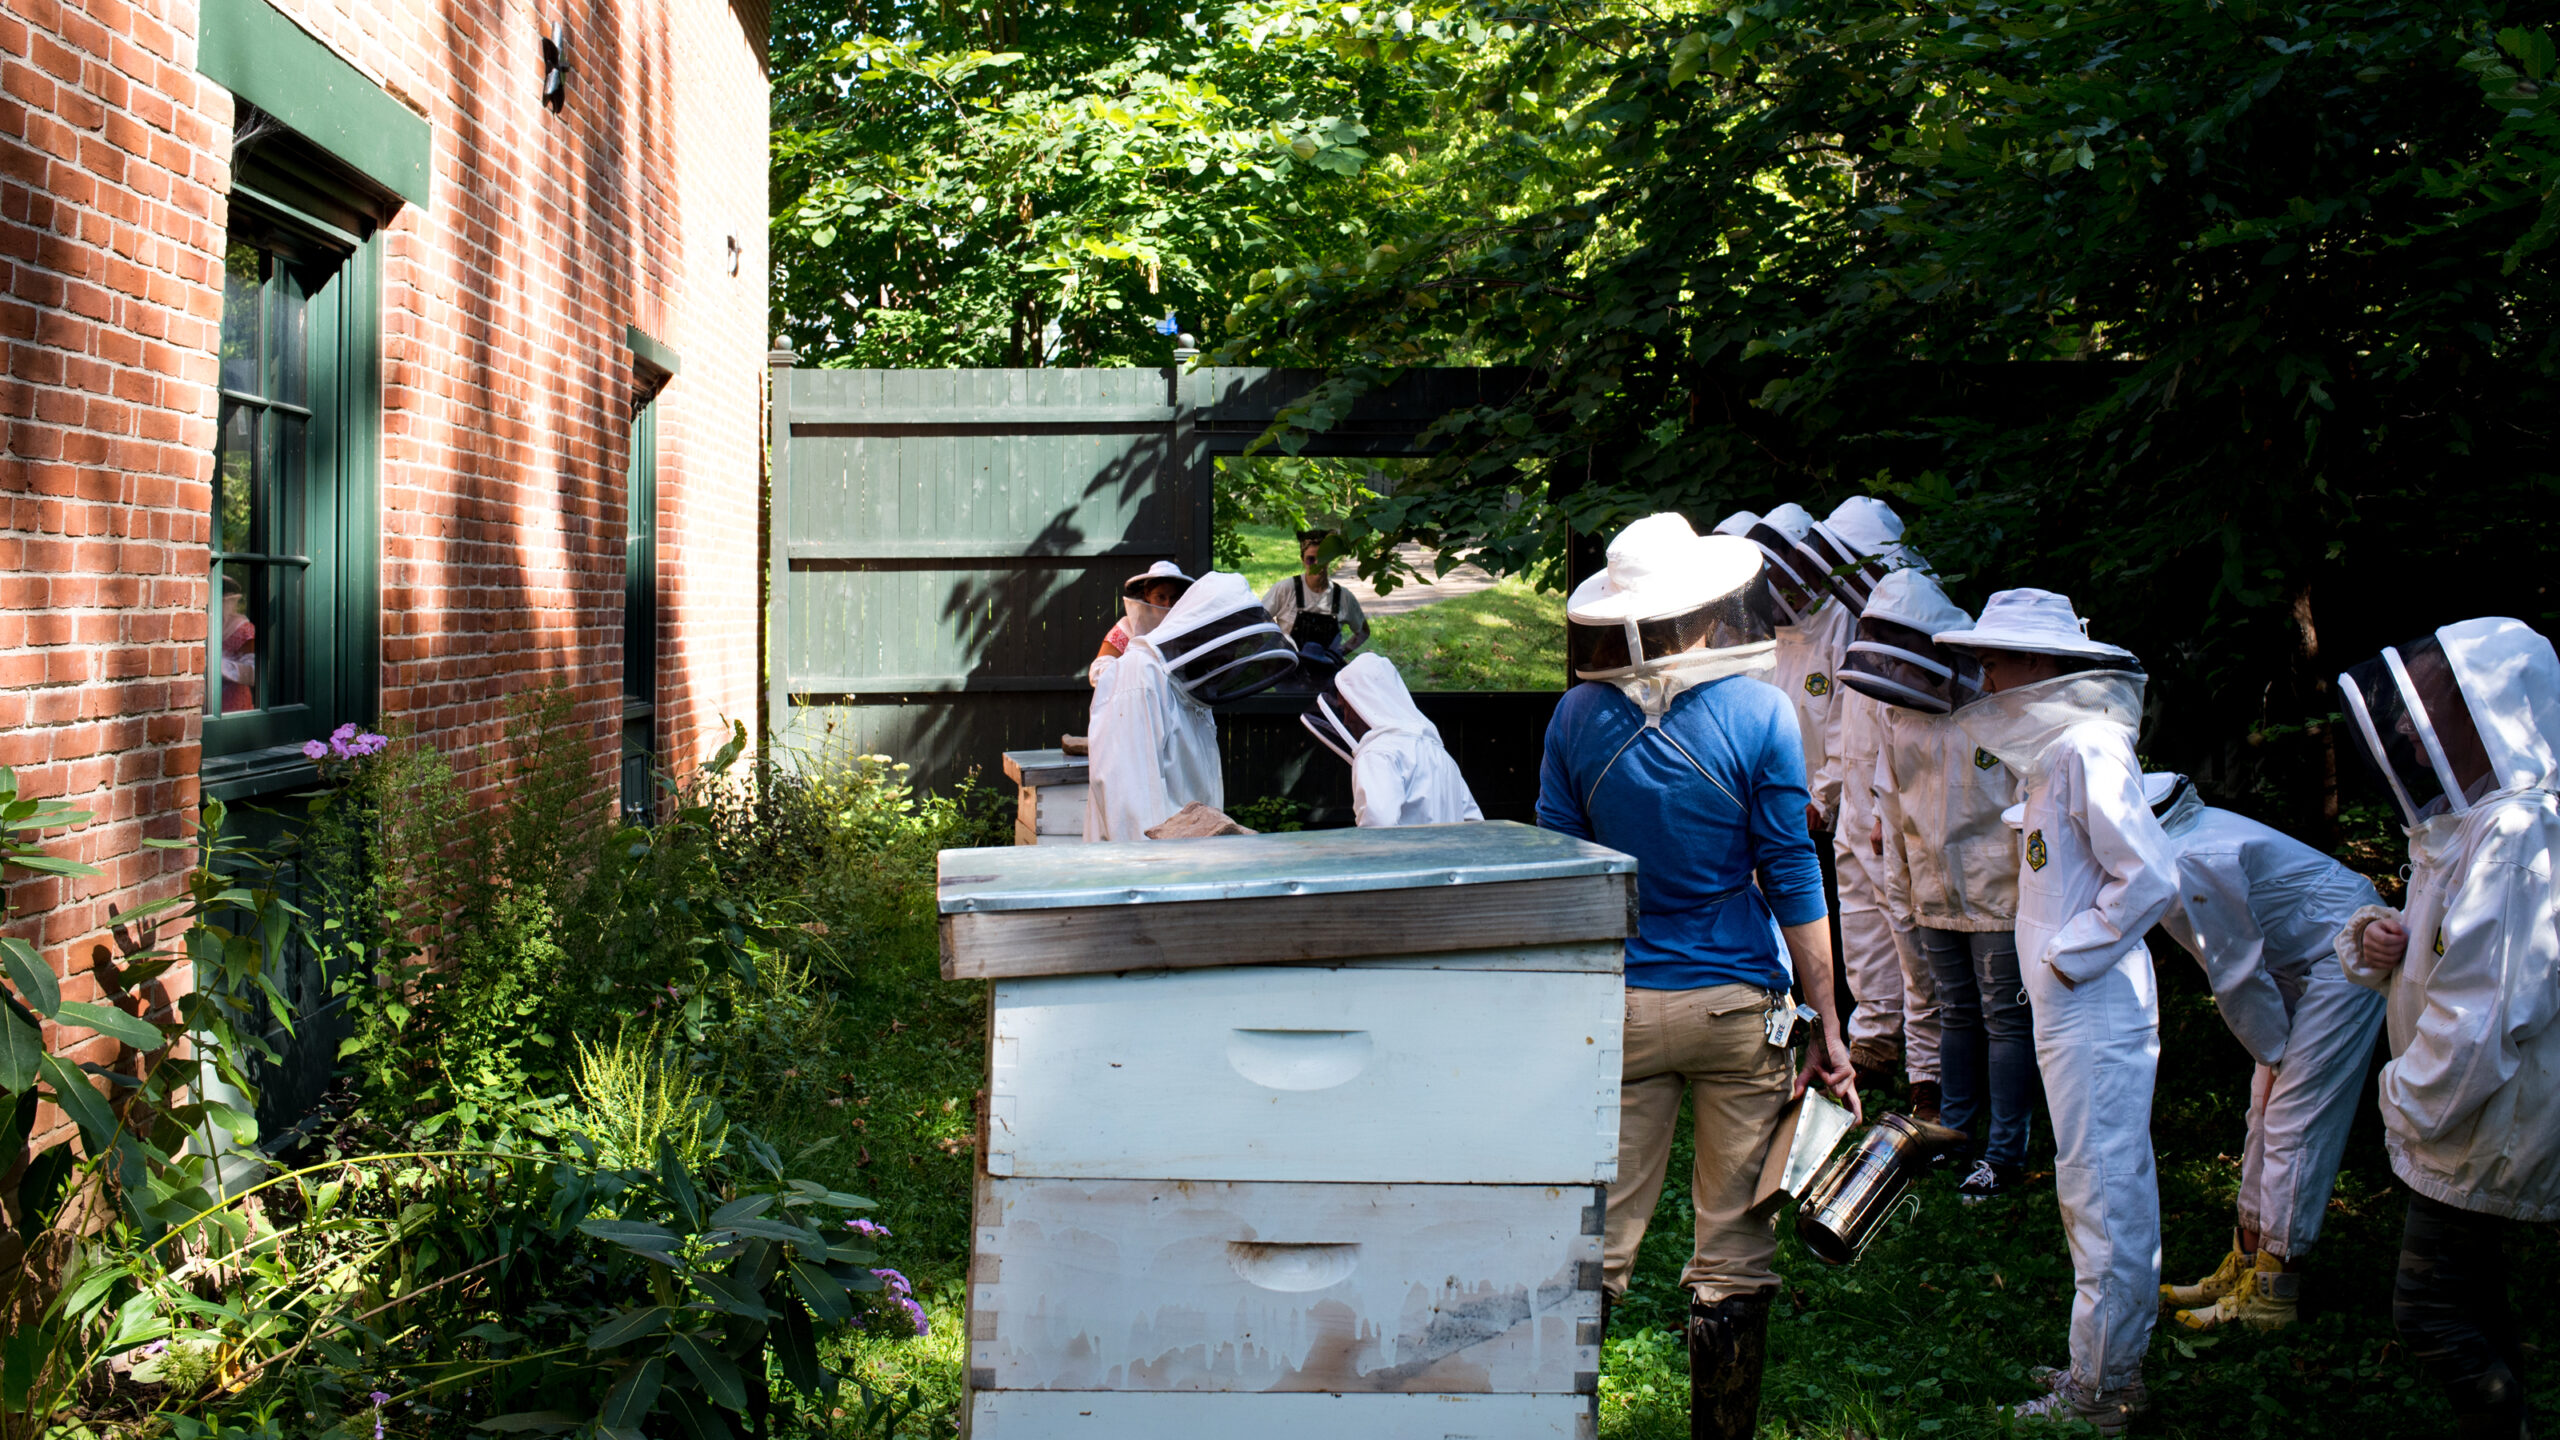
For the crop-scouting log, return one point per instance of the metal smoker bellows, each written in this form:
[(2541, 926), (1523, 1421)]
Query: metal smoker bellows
[(1850, 1199)]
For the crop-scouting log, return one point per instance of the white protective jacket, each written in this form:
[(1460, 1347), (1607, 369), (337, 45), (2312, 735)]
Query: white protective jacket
[(2098, 871), (1400, 774), (2257, 908), (1154, 748), (1950, 862), (1808, 675), (1861, 736), (2467, 1099)]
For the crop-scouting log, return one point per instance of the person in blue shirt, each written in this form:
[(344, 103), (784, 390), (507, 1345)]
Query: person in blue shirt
[(1676, 752)]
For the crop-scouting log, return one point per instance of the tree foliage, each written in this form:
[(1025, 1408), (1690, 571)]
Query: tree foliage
[(1044, 184), (2233, 319)]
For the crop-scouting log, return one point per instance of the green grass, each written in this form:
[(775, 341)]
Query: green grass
[(1271, 555), (1510, 637), (1920, 1340)]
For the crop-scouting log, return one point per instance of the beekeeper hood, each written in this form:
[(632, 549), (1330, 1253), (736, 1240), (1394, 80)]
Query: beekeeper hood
[(1860, 540), (1144, 615), (1738, 523), (1218, 644), (2462, 714), (1895, 657), (1364, 700), (1797, 575), (2174, 799), (2018, 726), (1673, 609)]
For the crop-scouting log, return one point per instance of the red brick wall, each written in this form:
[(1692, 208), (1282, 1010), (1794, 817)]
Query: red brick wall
[(112, 175), (505, 390)]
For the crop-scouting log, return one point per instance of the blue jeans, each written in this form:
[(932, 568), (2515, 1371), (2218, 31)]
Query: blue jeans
[(1987, 1056)]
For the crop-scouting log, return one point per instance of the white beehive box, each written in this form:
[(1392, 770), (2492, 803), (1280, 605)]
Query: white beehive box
[(1293, 1135), (1050, 787)]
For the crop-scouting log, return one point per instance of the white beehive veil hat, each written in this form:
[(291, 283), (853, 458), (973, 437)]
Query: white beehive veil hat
[(1896, 657), (1144, 615), (2035, 622), (1218, 643), (1796, 574), (1667, 590), (2467, 711)]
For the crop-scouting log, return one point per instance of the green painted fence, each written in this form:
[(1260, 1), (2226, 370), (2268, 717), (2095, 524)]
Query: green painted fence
[(947, 546)]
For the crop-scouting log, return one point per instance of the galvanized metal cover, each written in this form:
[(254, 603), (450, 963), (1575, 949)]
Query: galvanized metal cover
[(1231, 867)]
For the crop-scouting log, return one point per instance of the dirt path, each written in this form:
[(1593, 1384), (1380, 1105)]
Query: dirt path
[(1409, 596)]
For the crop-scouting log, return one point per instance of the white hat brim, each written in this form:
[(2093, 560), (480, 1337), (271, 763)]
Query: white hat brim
[(2035, 642)]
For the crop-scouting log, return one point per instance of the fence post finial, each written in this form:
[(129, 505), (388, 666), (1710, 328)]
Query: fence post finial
[(1185, 349), (781, 356)]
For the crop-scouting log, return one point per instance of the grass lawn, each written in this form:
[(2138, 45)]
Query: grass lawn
[(1510, 637), (1935, 1326)]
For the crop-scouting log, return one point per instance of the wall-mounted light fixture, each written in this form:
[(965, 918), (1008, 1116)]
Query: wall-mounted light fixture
[(555, 68), (737, 253)]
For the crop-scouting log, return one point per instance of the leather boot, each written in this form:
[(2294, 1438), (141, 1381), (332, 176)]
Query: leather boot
[(1728, 1347)]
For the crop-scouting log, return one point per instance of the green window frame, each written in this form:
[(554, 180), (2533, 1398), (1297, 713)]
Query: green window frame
[(640, 618), (653, 365), (296, 532), (321, 158)]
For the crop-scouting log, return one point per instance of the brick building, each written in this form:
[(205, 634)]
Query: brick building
[(366, 363)]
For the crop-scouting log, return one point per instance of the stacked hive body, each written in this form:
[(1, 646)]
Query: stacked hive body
[(1050, 788), (1293, 1135)]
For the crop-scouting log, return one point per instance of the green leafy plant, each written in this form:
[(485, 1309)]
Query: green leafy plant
[(149, 1167)]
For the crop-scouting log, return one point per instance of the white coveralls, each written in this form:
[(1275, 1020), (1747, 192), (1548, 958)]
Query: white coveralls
[(2261, 911), (1896, 997), (1400, 773), (1154, 749), (2467, 1110), (2096, 874)]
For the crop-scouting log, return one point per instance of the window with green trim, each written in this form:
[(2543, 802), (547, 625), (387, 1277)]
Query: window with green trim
[(291, 632)]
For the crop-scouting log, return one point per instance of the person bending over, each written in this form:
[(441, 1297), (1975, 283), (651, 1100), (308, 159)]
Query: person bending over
[(2261, 911)]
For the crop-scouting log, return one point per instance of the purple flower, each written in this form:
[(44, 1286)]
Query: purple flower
[(868, 1230), (378, 1397), (902, 1300), (315, 750), (155, 1349)]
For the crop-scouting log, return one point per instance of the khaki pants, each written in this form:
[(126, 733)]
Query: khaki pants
[(1713, 1044)]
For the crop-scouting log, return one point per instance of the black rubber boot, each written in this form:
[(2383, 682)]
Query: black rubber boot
[(1728, 1347)]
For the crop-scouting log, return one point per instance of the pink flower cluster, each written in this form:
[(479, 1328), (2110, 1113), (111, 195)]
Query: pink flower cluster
[(345, 743), (867, 1229)]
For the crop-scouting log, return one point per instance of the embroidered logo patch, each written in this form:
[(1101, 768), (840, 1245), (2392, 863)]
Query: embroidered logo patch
[(1984, 759), (2035, 850), (1817, 683)]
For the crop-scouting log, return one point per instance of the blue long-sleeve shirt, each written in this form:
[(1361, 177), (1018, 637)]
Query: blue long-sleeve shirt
[(1698, 838)]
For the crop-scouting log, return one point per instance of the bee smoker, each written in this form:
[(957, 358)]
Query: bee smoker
[(1847, 1203)]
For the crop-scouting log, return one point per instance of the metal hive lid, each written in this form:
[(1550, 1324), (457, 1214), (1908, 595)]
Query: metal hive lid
[(1232, 867)]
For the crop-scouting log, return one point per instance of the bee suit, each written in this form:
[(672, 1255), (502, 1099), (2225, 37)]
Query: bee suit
[(2097, 873), (1400, 772), (1814, 631), (2463, 726), (2261, 912), (1154, 742), (1897, 1004)]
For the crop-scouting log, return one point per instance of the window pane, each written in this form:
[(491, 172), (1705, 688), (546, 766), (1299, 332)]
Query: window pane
[(243, 286), (285, 337), (242, 640), (234, 479)]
